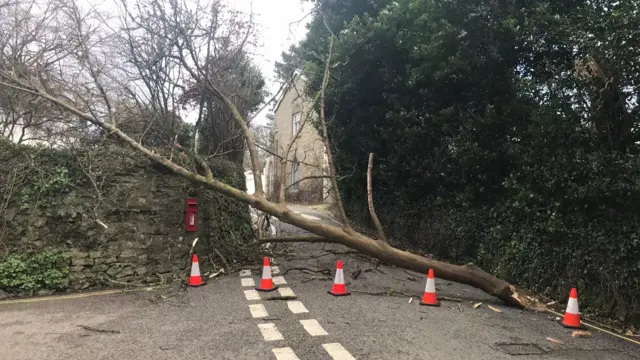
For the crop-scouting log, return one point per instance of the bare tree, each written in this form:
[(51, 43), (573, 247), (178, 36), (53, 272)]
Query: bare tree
[(186, 33)]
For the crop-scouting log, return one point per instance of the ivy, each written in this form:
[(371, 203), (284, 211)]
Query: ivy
[(30, 273)]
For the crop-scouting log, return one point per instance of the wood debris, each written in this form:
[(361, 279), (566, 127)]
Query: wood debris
[(581, 333), (554, 341), (494, 309), (90, 328), (477, 305)]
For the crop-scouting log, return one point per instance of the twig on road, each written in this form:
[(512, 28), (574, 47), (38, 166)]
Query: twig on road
[(315, 278), (303, 269), (282, 298), (89, 328), (445, 298)]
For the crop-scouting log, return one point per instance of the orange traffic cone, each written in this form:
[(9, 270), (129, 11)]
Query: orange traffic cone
[(266, 284), (195, 279), (339, 287), (572, 315), (430, 298)]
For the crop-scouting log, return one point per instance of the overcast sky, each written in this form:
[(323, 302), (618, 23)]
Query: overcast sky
[(281, 23), (277, 20)]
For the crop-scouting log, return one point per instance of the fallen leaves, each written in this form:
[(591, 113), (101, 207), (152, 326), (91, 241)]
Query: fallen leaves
[(494, 309), (581, 333)]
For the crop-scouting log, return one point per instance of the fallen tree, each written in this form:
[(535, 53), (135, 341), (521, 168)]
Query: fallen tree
[(184, 33)]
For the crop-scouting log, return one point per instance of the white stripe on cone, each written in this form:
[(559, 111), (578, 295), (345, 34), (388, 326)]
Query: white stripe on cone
[(195, 269), (572, 306), (339, 279), (266, 272), (431, 286)]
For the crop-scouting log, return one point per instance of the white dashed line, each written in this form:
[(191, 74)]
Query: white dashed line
[(279, 280), (337, 352), (245, 273), (270, 332), (284, 354), (297, 307), (313, 327), (285, 291), (258, 311), (248, 282), (275, 270), (251, 295)]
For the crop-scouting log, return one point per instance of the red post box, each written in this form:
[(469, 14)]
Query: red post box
[(192, 214)]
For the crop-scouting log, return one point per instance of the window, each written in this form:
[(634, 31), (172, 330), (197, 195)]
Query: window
[(295, 175), (296, 123)]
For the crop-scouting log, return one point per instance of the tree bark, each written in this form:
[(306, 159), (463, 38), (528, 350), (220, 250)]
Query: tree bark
[(325, 140), (372, 208)]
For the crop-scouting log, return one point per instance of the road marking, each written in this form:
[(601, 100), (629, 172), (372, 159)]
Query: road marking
[(337, 352), (270, 332), (248, 282), (313, 327), (258, 311), (285, 291), (284, 354), (279, 280), (246, 272), (275, 270), (251, 295), (297, 307)]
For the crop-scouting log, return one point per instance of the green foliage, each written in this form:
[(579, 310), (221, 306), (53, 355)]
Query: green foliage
[(505, 135), (43, 188), (45, 270)]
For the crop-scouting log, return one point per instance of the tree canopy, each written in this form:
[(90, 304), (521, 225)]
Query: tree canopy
[(505, 133)]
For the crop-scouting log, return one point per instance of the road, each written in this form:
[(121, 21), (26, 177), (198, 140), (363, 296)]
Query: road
[(226, 320)]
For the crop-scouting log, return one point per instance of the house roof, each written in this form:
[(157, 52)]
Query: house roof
[(294, 75)]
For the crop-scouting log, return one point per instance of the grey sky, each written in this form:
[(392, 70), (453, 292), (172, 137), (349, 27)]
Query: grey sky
[(276, 19), (280, 22)]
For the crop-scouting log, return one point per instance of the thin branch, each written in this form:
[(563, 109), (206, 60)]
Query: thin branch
[(308, 178), (372, 209), (325, 137), (296, 239)]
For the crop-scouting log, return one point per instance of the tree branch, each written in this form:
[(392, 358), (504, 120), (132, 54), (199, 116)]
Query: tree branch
[(325, 138), (372, 209), (296, 239), (308, 178)]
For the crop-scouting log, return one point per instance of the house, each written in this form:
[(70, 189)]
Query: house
[(306, 172)]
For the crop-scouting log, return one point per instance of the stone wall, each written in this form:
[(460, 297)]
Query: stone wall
[(131, 230)]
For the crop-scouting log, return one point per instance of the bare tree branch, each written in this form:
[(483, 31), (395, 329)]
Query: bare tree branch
[(325, 137), (372, 209)]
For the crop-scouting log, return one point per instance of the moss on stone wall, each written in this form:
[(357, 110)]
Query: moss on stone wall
[(118, 216)]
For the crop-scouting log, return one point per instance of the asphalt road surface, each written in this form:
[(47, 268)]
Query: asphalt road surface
[(226, 319)]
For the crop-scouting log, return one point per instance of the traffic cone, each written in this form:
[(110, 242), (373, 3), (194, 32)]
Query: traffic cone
[(266, 284), (195, 279), (430, 298), (572, 315), (339, 287)]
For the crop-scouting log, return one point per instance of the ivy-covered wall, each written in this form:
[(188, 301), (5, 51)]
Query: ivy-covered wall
[(105, 215)]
